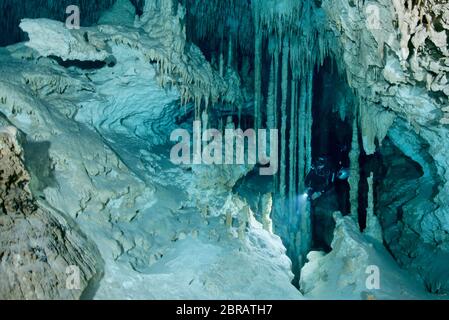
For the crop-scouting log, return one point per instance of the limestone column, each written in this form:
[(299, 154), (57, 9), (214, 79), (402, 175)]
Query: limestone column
[(354, 178)]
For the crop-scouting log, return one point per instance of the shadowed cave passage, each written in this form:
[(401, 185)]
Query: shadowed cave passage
[(331, 137), (332, 124), (333, 102)]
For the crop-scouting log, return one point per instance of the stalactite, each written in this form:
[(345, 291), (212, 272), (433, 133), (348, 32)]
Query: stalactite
[(230, 48), (373, 227), (284, 85), (301, 135), (305, 236), (309, 120), (205, 24), (271, 104), (354, 170), (295, 135), (276, 94), (292, 148), (374, 125), (204, 120), (201, 84), (258, 80), (221, 64), (276, 85), (297, 47), (221, 126)]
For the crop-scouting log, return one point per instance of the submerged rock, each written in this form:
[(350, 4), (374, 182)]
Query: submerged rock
[(358, 267)]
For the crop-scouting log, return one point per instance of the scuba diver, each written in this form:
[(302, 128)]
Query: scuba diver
[(323, 174)]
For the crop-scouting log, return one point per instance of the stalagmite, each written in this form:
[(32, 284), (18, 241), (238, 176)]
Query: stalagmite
[(304, 236), (228, 220), (267, 206), (242, 228), (354, 171), (245, 216), (284, 85), (373, 227)]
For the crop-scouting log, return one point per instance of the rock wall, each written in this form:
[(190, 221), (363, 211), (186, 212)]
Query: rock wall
[(42, 254), (358, 268)]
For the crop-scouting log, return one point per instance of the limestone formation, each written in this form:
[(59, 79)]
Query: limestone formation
[(267, 206), (44, 255), (373, 227)]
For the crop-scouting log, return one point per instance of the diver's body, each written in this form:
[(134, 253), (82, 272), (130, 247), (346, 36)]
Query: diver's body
[(323, 175)]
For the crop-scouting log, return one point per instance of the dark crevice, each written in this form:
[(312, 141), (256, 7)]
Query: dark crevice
[(83, 65), (331, 138), (138, 4)]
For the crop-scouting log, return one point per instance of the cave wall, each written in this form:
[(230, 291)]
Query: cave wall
[(396, 58), (39, 247)]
